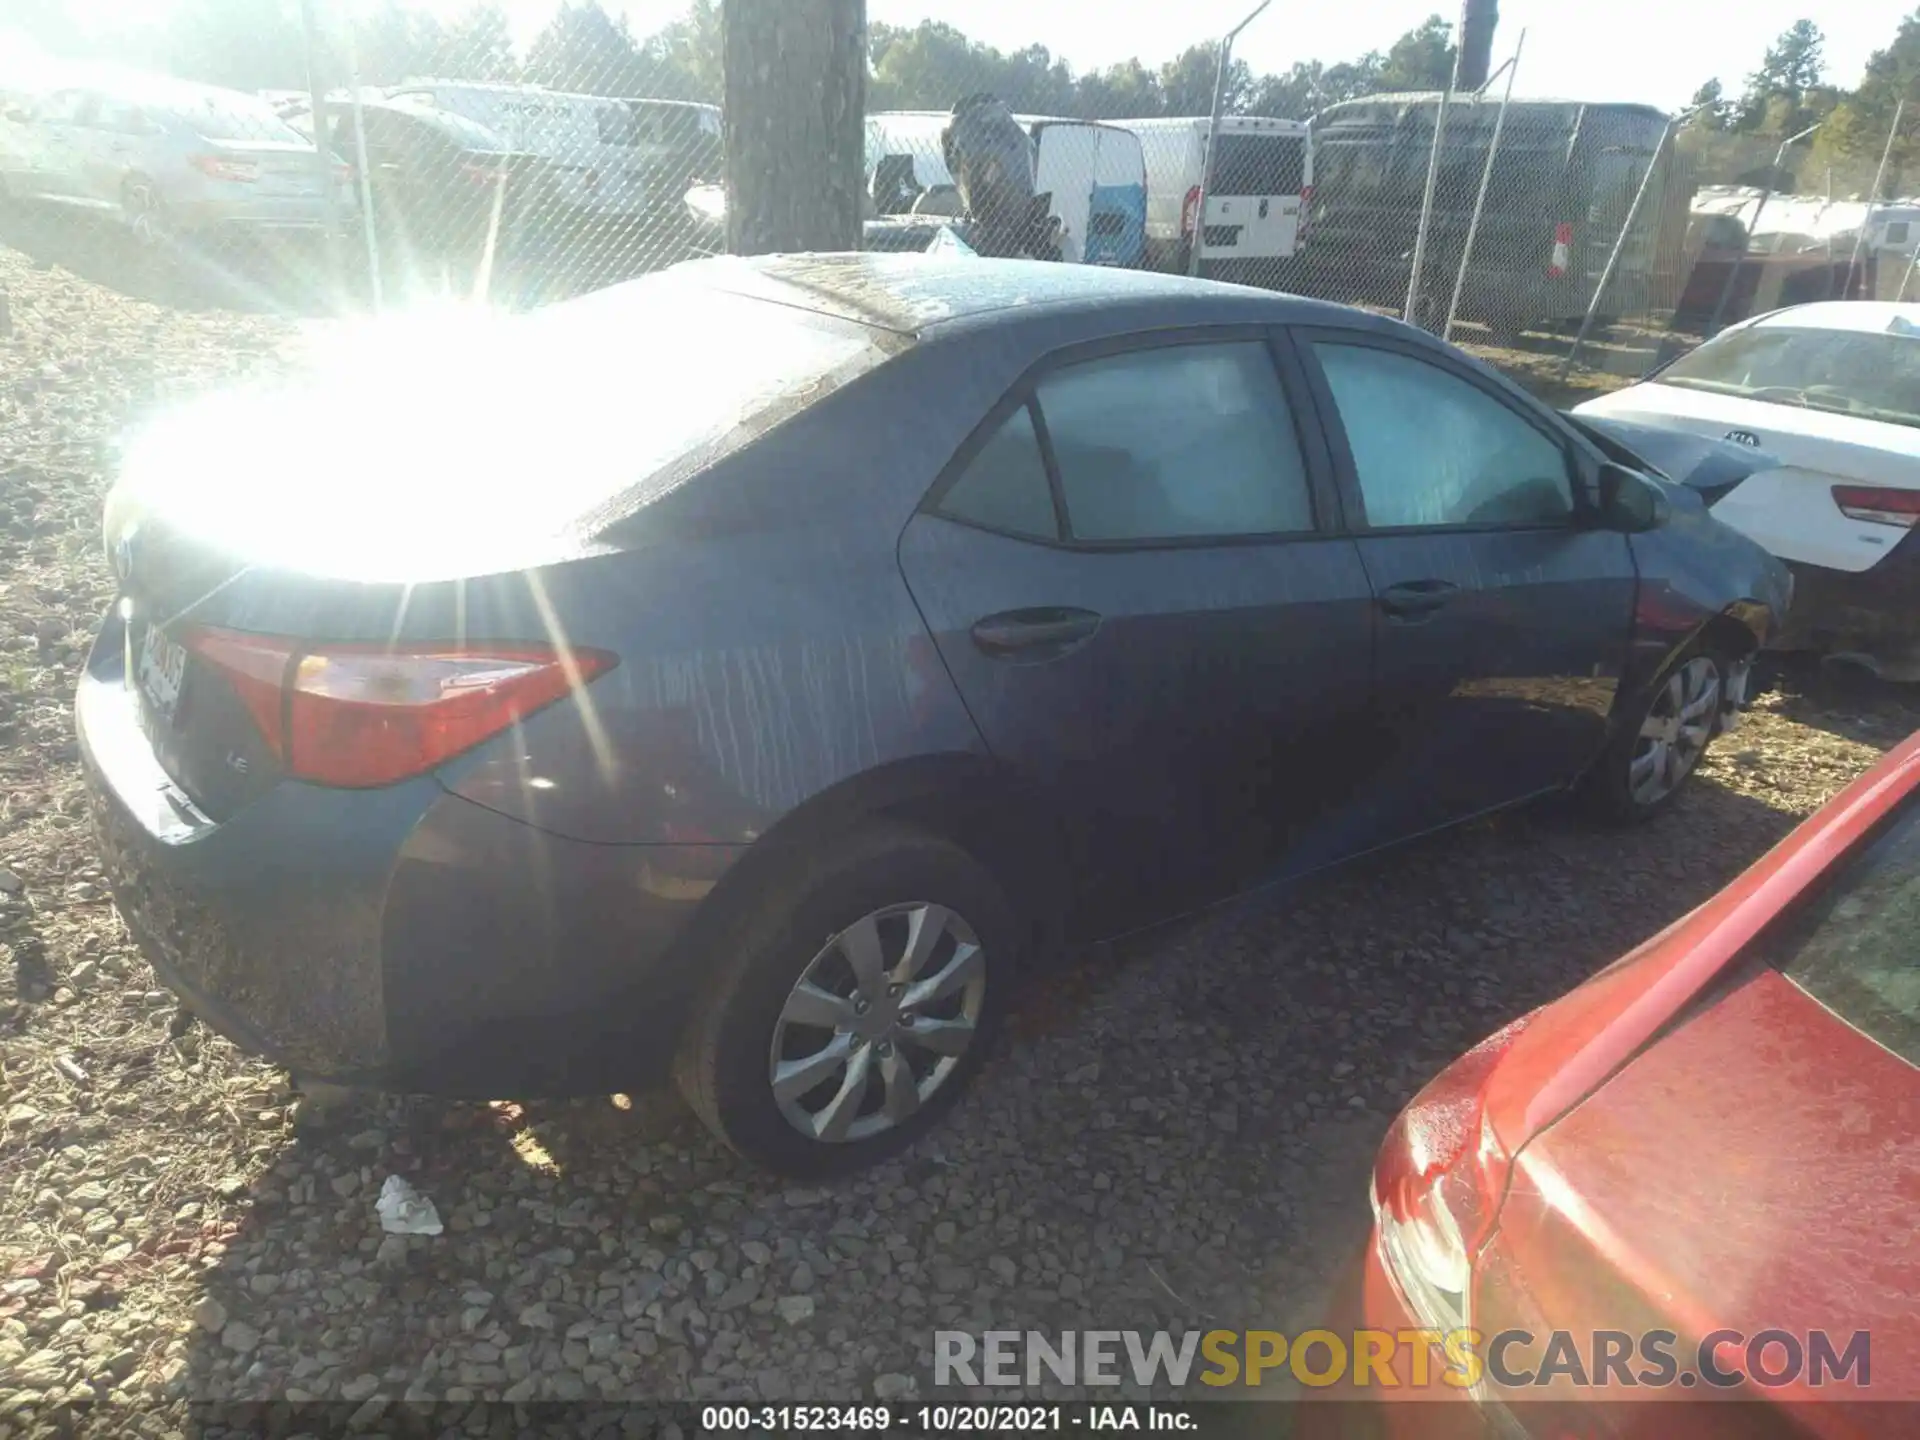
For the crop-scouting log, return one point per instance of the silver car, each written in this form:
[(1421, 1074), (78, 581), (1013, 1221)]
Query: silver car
[(167, 157)]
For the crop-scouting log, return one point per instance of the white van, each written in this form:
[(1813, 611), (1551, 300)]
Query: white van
[(1257, 200), (609, 156), (1094, 173)]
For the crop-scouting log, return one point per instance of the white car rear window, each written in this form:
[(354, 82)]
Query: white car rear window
[(1851, 372)]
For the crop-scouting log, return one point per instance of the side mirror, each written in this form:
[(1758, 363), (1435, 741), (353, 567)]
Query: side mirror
[(1629, 502)]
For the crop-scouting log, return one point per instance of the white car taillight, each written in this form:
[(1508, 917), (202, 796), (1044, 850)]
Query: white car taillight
[(1878, 506)]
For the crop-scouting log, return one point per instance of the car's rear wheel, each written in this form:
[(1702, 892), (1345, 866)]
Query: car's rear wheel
[(1656, 752), (852, 1004)]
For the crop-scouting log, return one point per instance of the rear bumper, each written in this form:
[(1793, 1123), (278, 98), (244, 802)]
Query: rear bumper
[(1874, 611), (292, 214), (405, 938)]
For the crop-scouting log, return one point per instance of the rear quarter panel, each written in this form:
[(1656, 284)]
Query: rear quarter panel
[(769, 648)]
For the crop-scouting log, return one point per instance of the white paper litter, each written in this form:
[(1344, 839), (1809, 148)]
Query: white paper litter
[(947, 241), (403, 1210)]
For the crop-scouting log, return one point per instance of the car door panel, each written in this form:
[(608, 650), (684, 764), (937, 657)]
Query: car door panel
[(1192, 728), (1190, 706), (1500, 645)]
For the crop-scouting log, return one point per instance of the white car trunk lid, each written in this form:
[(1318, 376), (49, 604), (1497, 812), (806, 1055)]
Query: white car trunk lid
[(1790, 510)]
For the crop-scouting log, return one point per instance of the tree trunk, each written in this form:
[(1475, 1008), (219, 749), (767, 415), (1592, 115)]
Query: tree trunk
[(1477, 22), (794, 118)]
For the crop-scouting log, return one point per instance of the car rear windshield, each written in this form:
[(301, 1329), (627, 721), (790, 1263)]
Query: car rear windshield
[(1259, 165), (472, 434), (467, 134), (216, 117), (1856, 948), (1873, 374)]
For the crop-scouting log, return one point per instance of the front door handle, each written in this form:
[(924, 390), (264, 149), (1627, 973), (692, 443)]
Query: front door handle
[(1034, 634), (1416, 599)]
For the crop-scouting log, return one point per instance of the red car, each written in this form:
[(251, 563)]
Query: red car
[(1701, 1168)]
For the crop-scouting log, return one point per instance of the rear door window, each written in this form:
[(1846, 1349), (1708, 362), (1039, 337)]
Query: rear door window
[(1004, 486), (1177, 442), (1256, 164), (1856, 947)]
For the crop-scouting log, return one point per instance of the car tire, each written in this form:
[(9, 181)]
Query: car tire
[(1653, 754), (787, 1005)]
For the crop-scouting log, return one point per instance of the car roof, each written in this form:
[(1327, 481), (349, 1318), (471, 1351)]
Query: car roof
[(1873, 316), (921, 295)]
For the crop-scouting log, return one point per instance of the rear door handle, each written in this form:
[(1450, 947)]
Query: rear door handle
[(1416, 599), (1034, 634)]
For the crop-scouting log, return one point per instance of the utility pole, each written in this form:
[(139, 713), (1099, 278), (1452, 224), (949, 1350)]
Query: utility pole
[(322, 160), (794, 123)]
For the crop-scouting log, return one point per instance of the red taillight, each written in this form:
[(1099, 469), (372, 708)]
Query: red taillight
[(358, 716), (482, 173), (225, 167), (1562, 250), (1190, 211), (1437, 1185), (1881, 506)]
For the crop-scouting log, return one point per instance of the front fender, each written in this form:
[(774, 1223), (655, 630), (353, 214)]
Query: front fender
[(1694, 573)]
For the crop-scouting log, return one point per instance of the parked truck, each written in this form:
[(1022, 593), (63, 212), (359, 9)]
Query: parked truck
[(1563, 182)]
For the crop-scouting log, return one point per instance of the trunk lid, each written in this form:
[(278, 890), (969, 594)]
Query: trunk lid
[(1789, 509), (283, 167)]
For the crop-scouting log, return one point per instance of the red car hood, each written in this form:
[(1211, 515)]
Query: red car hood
[(1694, 1152), (1757, 1168)]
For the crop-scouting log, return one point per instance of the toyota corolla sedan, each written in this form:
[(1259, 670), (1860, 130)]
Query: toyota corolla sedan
[(1702, 1167), (745, 670), (1831, 393)]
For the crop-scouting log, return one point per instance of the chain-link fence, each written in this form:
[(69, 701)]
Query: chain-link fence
[(457, 157)]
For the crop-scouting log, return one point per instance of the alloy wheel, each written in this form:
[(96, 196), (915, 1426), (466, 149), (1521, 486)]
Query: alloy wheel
[(877, 1022), (1675, 733)]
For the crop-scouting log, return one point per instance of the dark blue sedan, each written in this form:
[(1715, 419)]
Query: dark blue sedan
[(744, 671)]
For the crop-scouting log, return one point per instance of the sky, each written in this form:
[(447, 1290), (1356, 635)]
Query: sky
[(1655, 51)]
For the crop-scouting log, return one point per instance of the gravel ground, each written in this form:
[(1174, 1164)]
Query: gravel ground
[(1174, 1133)]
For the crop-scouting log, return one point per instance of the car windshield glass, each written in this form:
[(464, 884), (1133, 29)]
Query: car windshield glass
[(219, 117), (1856, 949), (1872, 374)]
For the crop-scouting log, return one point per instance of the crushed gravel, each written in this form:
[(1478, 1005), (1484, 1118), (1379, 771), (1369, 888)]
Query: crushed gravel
[(1174, 1133)]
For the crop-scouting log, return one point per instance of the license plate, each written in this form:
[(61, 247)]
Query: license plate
[(159, 669)]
